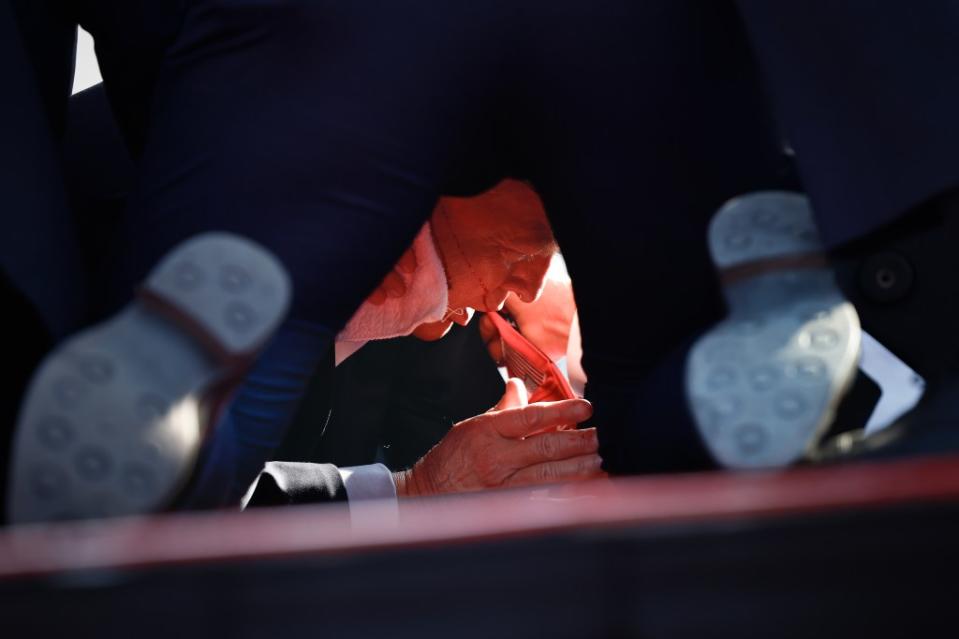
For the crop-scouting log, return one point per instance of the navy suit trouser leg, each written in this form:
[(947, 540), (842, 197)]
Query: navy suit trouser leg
[(868, 96), (38, 247), (325, 130)]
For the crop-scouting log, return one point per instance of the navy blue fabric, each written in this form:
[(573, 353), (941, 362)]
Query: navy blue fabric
[(395, 399), (325, 130), (330, 128), (38, 244), (255, 422), (867, 95), (99, 175)]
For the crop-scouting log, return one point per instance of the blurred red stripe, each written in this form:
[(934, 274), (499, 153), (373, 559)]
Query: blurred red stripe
[(635, 502)]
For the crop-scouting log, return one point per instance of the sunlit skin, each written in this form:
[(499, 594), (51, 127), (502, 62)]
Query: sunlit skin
[(490, 245)]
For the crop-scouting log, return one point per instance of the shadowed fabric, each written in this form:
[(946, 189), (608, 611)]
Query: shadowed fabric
[(325, 131)]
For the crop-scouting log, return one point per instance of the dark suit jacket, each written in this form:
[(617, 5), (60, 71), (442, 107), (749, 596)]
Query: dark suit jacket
[(395, 399), (390, 402)]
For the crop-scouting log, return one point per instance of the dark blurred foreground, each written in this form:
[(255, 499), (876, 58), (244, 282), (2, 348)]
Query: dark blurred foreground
[(859, 551)]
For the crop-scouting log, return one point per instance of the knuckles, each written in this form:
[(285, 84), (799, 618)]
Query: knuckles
[(533, 416), (548, 446), (585, 466), (548, 473), (564, 444), (487, 465)]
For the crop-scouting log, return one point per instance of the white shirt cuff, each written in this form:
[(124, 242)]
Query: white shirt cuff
[(374, 481), (372, 495)]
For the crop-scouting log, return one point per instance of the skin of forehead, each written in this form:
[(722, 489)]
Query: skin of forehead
[(525, 231), (510, 214), (531, 241)]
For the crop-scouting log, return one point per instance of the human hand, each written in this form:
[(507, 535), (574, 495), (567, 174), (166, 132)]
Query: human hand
[(500, 449), (432, 331), (545, 322), (393, 285)]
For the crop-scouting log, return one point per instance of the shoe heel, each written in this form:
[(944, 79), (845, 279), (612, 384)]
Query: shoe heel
[(226, 291), (114, 418), (764, 384)]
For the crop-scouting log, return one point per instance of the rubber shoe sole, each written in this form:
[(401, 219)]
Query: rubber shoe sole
[(113, 419), (764, 384)]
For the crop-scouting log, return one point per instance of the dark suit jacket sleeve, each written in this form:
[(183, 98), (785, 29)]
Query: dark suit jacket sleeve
[(284, 483)]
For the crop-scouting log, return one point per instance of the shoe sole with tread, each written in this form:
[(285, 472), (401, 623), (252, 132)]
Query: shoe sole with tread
[(113, 418), (764, 384)]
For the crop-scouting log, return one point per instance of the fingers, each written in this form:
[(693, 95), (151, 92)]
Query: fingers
[(432, 331), (549, 447), (393, 284), (514, 396), (462, 316), (408, 262), (526, 420), (377, 297), (576, 468)]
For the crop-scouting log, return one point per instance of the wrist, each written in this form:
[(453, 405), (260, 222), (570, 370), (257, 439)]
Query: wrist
[(403, 484), (410, 483)]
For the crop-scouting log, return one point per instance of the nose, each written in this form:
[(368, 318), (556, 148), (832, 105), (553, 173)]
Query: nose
[(527, 283), (526, 294), (525, 290)]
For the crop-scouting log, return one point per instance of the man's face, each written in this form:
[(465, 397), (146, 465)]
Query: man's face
[(497, 260), (492, 245)]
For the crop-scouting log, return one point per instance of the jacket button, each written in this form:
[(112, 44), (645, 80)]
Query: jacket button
[(886, 277)]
